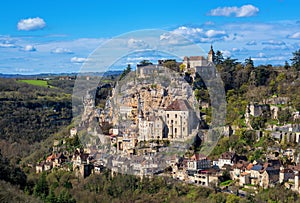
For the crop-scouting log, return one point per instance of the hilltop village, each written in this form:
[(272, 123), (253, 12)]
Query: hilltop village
[(153, 123)]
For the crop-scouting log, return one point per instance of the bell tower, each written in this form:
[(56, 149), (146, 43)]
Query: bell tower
[(211, 55)]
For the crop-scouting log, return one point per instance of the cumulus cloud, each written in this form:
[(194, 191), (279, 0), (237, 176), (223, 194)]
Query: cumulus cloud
[(29, 48), (215, 33), (60, 50), (296, 35), (226, 53), (77, 60), (137, 44), (31, 24), (243, 11), (198, 34)]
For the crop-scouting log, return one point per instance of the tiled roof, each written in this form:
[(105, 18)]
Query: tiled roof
[(179, 105), (194, 58), (197, 157), (227, 155), (51, 157), (249, 167)]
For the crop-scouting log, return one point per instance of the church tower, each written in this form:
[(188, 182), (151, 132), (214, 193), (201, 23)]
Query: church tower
[(211, 54)]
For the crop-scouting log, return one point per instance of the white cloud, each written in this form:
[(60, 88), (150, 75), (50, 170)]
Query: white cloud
[(7, 45), (77, 60), (199, 34), (273, 42), (237, 50), (60, 50), (226, 53), (137, 44), (296, 35), (29, 48), (261, 55), (243, 11), (31, 24), (215, 33)]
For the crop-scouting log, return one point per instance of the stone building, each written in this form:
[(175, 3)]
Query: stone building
[(192, 62), (180, 119)]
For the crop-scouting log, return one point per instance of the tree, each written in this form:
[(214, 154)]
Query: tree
[(171, 64), (219, 58), (182, 67), (296, 60), (284, 116), (126, 71), (145, 62), (286, 65), (249, 63), (41, 188), (233, 199)]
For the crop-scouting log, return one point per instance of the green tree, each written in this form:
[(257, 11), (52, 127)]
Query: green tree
[(171, 64), (233, 199), (41, 188), (182, 67), (51, 197), (126, 71), (219, 58), (145, 62), (249, 63), (296, 60), (284, 116), (286, 65)]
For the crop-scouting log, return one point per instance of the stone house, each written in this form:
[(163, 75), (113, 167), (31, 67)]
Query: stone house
[(286, 174), (152, 127), (194, 62), (225, 158), (206, 177), (198, 161), (79, 159), (43, 166), (254, 171), (148, 70), (269, 177)]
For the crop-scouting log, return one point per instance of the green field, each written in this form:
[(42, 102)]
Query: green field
[(42, 83)]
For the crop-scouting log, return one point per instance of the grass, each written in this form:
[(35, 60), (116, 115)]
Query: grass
[(226, 183), (41, 83)]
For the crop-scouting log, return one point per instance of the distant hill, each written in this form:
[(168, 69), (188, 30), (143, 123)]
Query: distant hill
[(50, 75)]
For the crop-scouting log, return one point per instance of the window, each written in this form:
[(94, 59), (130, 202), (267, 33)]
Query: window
[(175, 122), (167, 115), (183, 129), (175, 115), (175, 130)]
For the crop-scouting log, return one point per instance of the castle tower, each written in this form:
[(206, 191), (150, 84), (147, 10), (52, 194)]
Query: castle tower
[(211, 54)]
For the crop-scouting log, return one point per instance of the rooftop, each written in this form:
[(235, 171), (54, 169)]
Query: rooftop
[(179, 105)]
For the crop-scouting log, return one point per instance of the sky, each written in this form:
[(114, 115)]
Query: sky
[(59, 36)]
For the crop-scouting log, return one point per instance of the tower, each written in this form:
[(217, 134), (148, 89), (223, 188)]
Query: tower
[(211, 54)]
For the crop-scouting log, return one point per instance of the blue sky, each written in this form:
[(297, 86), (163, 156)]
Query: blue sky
[(57, 36)]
